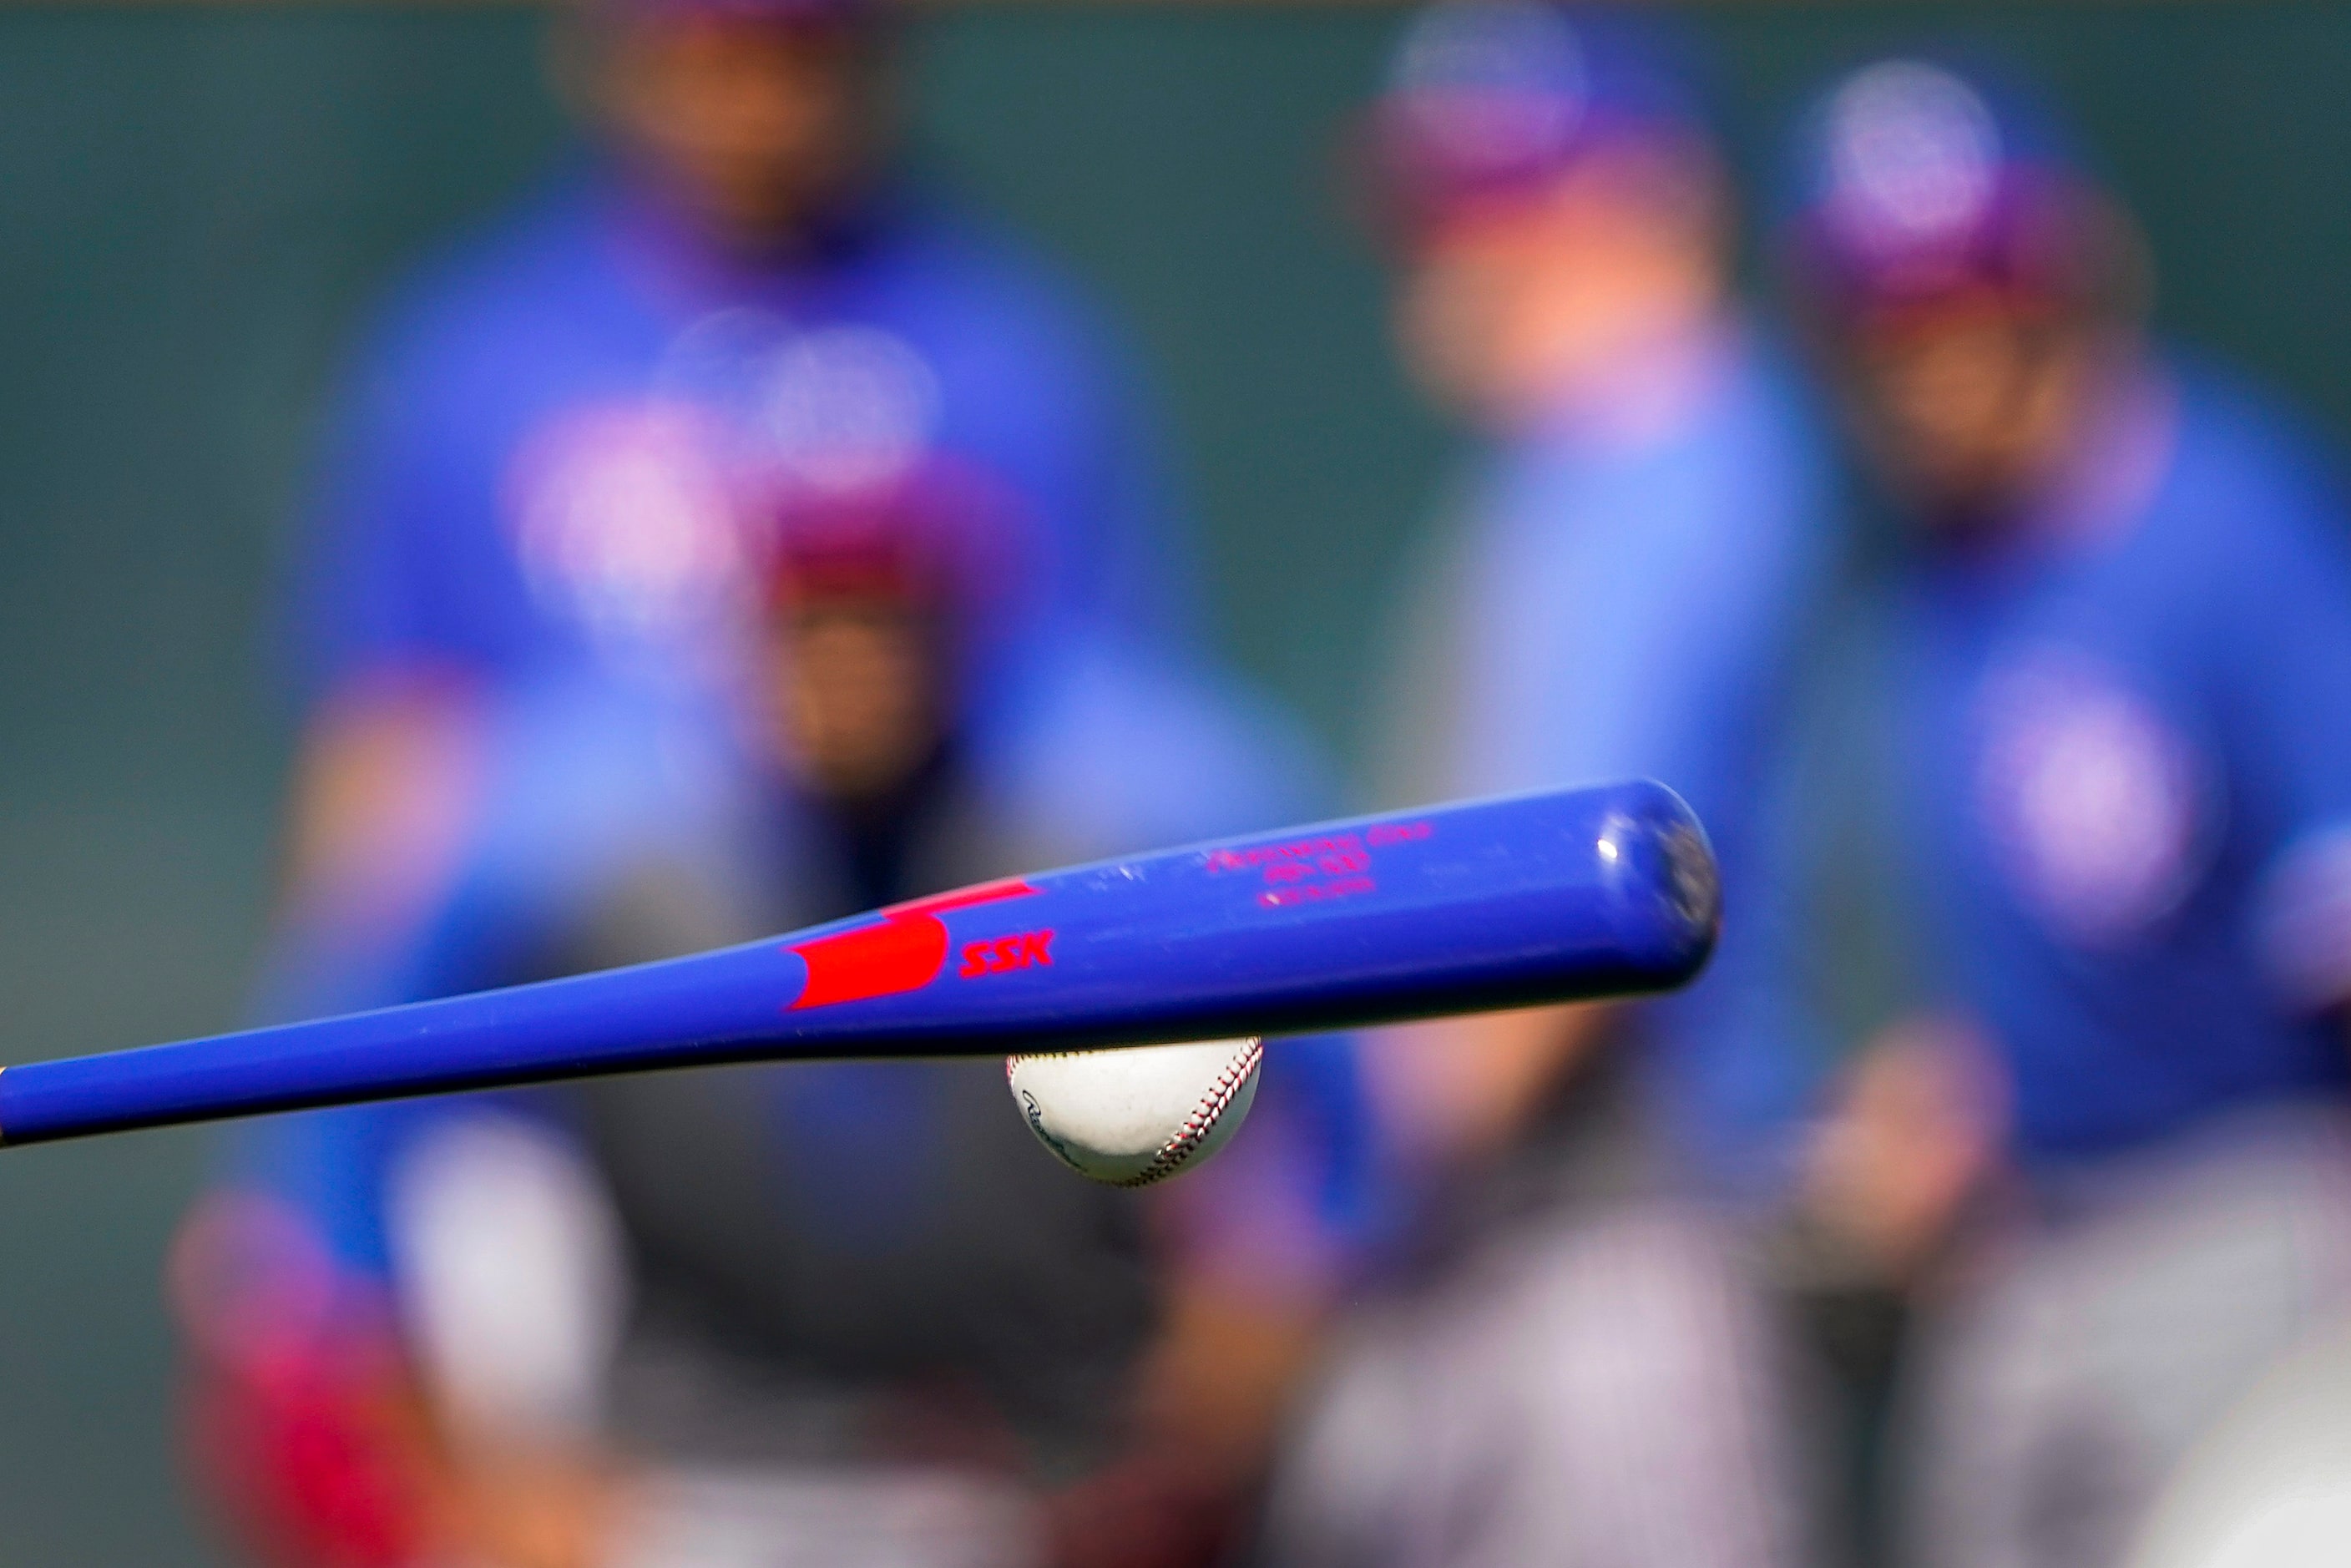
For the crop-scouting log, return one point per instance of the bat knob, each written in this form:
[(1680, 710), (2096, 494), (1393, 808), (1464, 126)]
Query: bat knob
[(1654, 852)]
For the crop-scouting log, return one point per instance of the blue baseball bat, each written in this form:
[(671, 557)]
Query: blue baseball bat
[(1459, 908)]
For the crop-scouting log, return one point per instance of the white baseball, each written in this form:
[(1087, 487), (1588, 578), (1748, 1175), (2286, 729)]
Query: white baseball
[(1135, 1116)]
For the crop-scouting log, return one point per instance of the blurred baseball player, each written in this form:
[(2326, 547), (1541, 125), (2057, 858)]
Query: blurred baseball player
[(525, 498), (1581, 1371), (842, 1313), (2120, 803), (734, 539)]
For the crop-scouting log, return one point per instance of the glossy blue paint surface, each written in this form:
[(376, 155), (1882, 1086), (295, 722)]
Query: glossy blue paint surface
[(1457, 908)]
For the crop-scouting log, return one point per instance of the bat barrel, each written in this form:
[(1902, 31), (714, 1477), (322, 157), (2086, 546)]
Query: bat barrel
[(1536, 898)]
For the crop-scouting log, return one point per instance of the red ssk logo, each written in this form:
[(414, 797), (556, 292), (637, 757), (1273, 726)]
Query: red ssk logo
[(1006, 954), (902, 951)]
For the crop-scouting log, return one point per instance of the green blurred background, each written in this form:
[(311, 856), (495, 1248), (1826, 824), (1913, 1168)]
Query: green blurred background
[(197, 203)]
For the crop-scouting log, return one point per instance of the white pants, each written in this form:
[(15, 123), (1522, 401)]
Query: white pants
[(1599, 1389), (2095, 1341), (874, 1517)]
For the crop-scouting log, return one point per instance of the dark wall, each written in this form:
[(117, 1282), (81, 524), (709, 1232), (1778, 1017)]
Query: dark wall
[(194, 203)]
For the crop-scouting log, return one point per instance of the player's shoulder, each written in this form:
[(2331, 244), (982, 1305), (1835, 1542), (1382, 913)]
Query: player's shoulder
[(1746, 484), (1750, 457), (2252, 482), (962, 276), (931, 239), (518, 275)]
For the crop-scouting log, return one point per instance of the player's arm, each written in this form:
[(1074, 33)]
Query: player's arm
[(397, 1320), (509, 1273), (377, 653), (1459, 1090), (1913, 1134), (384, 773), (2289, 659)]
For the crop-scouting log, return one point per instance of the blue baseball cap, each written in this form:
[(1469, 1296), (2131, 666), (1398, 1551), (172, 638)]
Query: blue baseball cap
[(1916, 179), (1487, 98)]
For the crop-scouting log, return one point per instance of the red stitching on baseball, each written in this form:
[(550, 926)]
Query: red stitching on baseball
[(1204, 1116)]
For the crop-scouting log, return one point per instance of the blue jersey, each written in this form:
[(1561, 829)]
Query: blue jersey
[(546, 480), (539, 481), (2124, 784), (1633, 605), (539, 464)]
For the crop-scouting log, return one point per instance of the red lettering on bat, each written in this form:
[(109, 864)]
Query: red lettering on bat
[(1316, 892), (1267, 855), (1005, 953), (904, 952), (1398, 833)]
